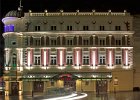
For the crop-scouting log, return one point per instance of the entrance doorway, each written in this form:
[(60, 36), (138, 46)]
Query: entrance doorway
[(38, 86), (101, 86), (14, 88), (68, 81)]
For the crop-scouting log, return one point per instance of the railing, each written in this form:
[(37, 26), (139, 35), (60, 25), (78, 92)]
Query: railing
[(77, 13)]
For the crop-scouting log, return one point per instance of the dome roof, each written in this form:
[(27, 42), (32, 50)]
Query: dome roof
[(13, 13)]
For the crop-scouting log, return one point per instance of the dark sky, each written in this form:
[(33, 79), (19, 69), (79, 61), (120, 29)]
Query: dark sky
[(71, 5)]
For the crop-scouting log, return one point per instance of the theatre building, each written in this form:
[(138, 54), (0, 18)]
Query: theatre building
[(88, 51)]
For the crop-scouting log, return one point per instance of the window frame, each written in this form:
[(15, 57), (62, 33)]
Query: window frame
[(118, 58), (38, 60), (102, 59)]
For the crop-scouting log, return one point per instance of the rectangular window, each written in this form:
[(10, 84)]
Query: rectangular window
[(102, 59), (14, 61), (53, 28), (69, 60), (53, 41), (37, 42), (85, 60), (102, 41), (85, 41), (37, 28), (102, 28), (26, 41), (37, 59), (53, 59), (118, 42), (69, 42), (117, 28), (118, 59), (69, 28), (85, 28)]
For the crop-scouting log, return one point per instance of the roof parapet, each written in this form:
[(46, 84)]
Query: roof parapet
[(62, 13)]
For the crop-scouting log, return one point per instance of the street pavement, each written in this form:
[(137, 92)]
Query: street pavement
[(91, 96)]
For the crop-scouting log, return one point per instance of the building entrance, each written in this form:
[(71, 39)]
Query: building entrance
[(14, 88), (101, 86), (68, 81), (38, 86)]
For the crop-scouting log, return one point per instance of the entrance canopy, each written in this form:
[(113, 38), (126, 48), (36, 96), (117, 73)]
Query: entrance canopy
[(73, 75)]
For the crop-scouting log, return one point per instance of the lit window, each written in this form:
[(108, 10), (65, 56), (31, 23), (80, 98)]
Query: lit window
[(9, 28), (102, 59), (69, 59), (118, 59)]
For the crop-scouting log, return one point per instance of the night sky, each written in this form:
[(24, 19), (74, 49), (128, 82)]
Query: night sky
[(131, 6), (71, 5)]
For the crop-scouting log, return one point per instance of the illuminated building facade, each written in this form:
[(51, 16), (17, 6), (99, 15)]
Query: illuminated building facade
[(89, 51)]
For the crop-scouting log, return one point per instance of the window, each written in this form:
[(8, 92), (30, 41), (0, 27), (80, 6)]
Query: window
[(37, 28), (102, 59), (53, 59), (118, 59), (118, 42), (69, 59), (85, 41), (69, 42), (26, 41), (85, 28), (37, 42), (14, 60), (13, 42), (69, 28), (53, 28), (102, 41), (85, 60), (9, 28), (53, 41), (117, 28), (102, 28), (37, 59)]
